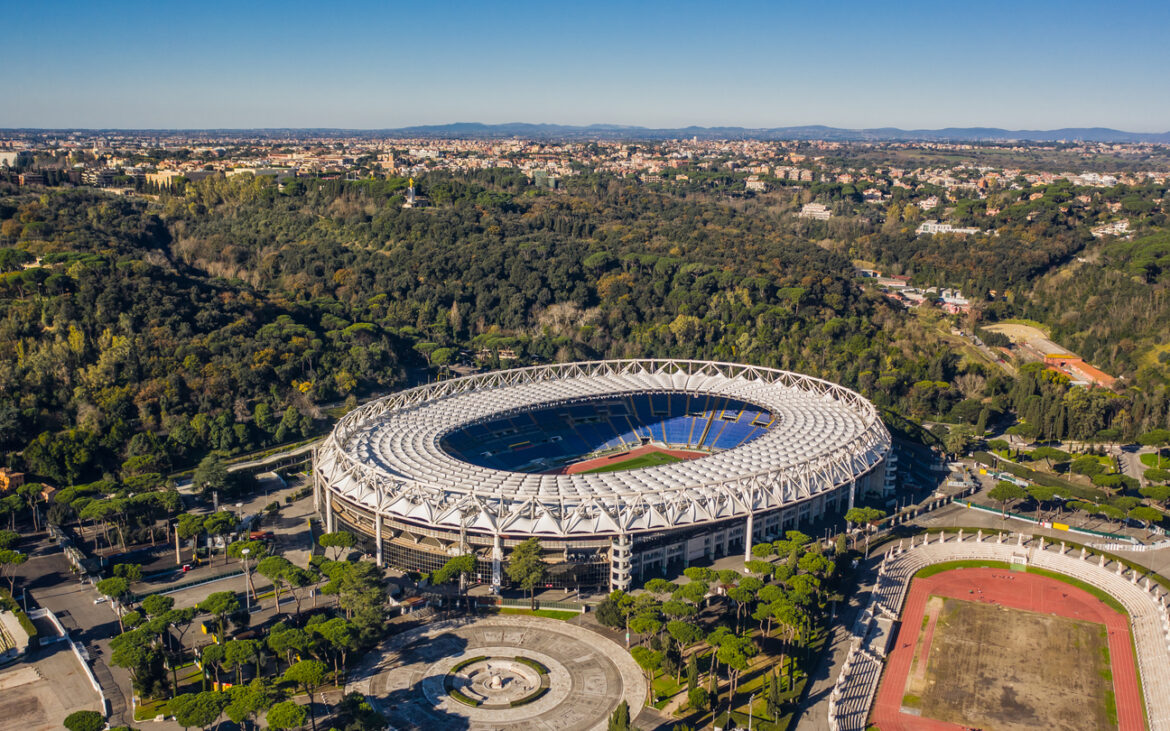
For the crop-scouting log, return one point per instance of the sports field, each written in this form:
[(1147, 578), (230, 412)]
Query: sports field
[(652, 459), (647, 456), (977, 665), (993, 649)]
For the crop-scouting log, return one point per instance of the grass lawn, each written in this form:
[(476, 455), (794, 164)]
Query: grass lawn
[(548, 613), (650, 459), (190, 681), (939, 568), (1151, 459)]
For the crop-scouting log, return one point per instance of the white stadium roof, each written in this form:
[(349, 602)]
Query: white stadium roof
[(386, 455)]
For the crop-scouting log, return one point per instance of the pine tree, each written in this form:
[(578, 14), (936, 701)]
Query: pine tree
[(620, 719), (692, 672)]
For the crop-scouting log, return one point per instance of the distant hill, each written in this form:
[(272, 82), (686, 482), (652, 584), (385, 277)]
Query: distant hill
[(628, 132), (807, 132)]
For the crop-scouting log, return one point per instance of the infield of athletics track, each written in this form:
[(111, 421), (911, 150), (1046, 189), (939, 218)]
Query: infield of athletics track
[(1015, 590), (592, 464)]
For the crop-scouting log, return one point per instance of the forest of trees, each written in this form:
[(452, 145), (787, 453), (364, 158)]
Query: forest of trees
[(139, 335)]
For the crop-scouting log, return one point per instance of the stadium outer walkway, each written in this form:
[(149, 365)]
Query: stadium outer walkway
[(1145, 601)]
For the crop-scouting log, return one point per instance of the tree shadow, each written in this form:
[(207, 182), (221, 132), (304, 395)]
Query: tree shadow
[(410, 708)]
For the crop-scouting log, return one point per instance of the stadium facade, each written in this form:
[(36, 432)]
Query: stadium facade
[(481, 463)]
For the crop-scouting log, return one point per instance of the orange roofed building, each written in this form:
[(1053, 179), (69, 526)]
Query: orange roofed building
[(1075, 366)]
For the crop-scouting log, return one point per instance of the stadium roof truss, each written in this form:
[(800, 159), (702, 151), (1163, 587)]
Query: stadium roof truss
[(386, 455)]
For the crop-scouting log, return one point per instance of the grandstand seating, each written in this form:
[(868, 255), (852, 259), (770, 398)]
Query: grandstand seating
[(549, 438)]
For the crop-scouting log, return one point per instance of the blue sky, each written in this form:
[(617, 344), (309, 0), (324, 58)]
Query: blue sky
[(1033, 65)]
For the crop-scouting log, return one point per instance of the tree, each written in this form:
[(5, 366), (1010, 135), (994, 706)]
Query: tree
[(131, 572), (275, 569), (212, 475), (220, 604), (699, 699), (286, 715), (337, 540), (619, 720), (1157, 493), (1148, 516), (649, 660), (958, 440), (85, 721), (197, 709), (156, 605), (248, 700), (1159, 438), (342, 638), (308, 676), (9, 560), (864, 517), (1041, 494), (526, 567), (1006, 492), (221, 524), (298, 578), (247, 552), (459, 567)]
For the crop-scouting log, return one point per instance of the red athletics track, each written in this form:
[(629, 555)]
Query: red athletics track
[(592, 464), (1016, 590)]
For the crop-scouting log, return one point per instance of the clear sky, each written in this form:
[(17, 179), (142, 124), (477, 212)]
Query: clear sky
[(162, 64)]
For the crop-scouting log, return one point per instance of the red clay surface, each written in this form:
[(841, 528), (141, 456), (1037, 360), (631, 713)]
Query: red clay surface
[(1015, 590), (592, 464)]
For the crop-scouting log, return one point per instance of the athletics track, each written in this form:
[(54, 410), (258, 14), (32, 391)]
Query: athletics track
[(1016, 590)]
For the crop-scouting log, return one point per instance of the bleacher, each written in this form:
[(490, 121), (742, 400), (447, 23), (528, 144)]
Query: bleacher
[(549, 438)]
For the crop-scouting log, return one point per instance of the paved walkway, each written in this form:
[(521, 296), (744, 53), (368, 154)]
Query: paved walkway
[(588, 675)]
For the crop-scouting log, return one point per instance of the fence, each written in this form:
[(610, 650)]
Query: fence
[(526, 604), (1046, 524), (189, 584)]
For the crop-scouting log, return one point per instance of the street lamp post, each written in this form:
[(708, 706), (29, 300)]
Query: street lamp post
[(751, 702), (247, 579)]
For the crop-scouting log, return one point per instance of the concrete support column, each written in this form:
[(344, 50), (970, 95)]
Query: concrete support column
[(316, 483), (497, 560), (747, 537), (619, 563), (852, 494), (328, 512), (378, 537)]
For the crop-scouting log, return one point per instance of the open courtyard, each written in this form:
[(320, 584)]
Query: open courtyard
[(584, 676)]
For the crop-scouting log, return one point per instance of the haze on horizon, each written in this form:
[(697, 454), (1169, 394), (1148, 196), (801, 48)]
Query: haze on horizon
[(1043, 65)]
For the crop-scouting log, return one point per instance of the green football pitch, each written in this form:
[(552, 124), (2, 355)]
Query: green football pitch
[(650, 459)]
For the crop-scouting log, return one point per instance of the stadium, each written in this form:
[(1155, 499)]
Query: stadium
[(623, 469)]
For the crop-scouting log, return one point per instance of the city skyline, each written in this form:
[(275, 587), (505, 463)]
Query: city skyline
[(370, 67)]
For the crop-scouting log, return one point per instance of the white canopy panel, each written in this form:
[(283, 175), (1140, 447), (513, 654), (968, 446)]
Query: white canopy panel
[(387, 456)]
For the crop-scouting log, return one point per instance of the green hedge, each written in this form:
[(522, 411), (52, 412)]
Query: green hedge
[(532, 664), (529, 698), (465, 663), (459, 696), (7, 602)]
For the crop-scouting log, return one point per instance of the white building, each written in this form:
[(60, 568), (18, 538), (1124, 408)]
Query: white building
[(815, 210)]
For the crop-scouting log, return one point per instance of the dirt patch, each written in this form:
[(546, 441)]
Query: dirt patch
[(1008, 669), (1029, 337)]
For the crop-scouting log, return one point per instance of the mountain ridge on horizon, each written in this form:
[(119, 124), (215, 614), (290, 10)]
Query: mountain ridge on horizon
[(636, 132)]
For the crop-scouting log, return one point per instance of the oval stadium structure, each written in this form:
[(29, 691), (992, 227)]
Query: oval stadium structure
[(623, 469)]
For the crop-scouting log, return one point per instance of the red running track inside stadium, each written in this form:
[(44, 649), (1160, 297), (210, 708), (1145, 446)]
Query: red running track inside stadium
[(1016, 590), (592, 464)]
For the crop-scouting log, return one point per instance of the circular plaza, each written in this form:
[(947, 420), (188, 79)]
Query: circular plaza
[(502, 672)]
